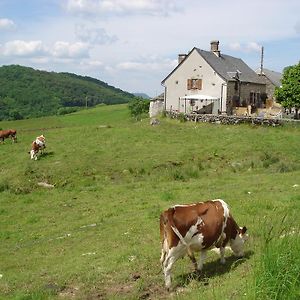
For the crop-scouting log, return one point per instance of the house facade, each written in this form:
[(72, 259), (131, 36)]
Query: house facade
[(212, 82), (272, 80)]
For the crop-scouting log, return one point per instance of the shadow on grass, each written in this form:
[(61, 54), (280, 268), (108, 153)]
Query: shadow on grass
[(213, 269), (46, 154)]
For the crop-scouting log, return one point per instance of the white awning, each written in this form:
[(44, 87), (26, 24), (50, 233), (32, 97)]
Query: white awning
[(199, 97)]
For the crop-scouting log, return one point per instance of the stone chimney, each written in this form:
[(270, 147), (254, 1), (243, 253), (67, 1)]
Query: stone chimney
[(181, 57), (214, 47)]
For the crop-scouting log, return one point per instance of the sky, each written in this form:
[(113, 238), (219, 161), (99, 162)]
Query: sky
[(134, 44)]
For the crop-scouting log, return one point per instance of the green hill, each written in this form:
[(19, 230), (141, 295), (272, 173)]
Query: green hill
[(26, 92)]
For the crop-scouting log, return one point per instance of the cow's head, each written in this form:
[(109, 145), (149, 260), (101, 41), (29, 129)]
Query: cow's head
[(237, 244), (41, 138)]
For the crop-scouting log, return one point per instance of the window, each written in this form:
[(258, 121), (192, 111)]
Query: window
[(194, 84), (252, 98)]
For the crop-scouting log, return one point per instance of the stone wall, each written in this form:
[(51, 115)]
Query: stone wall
[(224, 119), (155, 108)]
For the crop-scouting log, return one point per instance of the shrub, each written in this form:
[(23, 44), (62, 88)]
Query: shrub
[(66, 110), (181, 118), (138, 107)]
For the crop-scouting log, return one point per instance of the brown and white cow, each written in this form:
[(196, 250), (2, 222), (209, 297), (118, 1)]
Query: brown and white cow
[(12, 133), (185, 229), (38, 145)]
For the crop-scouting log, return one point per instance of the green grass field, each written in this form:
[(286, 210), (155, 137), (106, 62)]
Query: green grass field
[(95, 235)]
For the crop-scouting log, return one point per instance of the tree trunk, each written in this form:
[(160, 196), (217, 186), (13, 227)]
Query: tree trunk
[(296, 114)]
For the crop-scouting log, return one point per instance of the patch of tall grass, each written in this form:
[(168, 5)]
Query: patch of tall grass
[(277, 269)]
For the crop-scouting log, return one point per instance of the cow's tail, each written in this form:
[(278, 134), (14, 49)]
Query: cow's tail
[(168, 221), (163, 237)]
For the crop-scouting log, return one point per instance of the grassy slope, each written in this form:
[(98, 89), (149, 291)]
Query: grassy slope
[(120, 178)]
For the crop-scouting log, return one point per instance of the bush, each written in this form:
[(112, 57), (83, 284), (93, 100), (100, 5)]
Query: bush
[(67, 110), (182, 118), (138, 107)]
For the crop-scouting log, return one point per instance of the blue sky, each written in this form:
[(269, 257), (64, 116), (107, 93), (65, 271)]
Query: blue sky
[(133, 44)]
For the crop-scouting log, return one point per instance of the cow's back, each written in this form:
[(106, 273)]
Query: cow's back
[(200, 225), (4, 133)]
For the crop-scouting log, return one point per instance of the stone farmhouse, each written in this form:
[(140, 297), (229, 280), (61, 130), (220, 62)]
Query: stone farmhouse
[(272, 80), (213, 82)]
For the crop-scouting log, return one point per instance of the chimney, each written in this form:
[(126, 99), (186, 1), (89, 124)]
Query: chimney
[(181, 57), (214, 47)]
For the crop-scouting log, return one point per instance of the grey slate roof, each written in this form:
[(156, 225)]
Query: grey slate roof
[(160, 97), (227, 66), (274, 77)]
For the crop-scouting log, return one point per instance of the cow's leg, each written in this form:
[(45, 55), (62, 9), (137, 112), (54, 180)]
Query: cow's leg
[(169, 262), (171, 257), (222, 254), (164, 251), (193, 259), (201, 259), (163, 255), (33, 155)]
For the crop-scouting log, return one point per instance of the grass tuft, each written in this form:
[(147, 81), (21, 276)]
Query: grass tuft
[(277, 270)]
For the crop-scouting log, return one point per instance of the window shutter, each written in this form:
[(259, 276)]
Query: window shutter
[(199, 84), (189, 84)]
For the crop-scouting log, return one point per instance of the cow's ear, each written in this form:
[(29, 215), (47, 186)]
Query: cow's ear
[(243, 230)]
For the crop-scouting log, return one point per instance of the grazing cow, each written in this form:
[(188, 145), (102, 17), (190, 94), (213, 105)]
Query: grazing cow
[(185, 229), (38, 145), (12, 133)]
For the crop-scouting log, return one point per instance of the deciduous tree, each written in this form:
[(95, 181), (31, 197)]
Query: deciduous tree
[(289, 93)]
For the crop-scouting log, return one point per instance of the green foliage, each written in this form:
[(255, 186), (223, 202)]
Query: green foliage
[(26, 93), (182, 118), (289, 93), (138, 107), (277, 270), (67, 110)]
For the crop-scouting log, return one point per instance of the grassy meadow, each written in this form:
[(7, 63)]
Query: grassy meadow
[(95, 235)]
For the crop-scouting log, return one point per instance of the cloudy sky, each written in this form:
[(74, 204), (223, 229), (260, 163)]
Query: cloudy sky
[(133, 44)]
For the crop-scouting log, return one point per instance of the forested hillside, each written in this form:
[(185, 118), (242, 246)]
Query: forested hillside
[(26, 92)]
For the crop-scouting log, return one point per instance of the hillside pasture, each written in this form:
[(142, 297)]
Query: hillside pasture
[(95, 234)]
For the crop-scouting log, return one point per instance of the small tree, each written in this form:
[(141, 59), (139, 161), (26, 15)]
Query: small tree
[(138, 107), (289, 93)]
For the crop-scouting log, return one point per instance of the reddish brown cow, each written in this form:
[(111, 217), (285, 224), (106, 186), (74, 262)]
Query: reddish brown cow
[(198, 227), (12, 133)]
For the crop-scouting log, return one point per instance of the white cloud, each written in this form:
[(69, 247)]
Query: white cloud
[(235, 46), (119, 7), (153, 64), (6, 24), (90, 64), (245, 47), (38, 52), (23, 48), (93, 35), (70, 50)]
